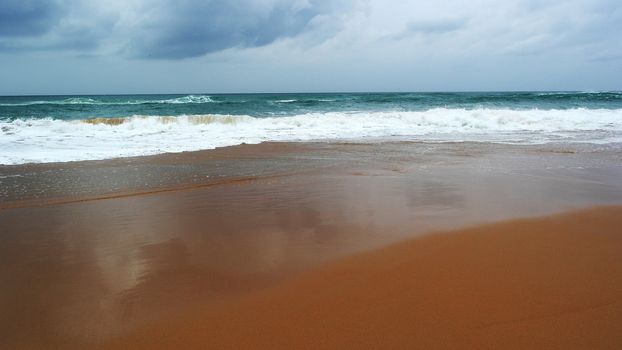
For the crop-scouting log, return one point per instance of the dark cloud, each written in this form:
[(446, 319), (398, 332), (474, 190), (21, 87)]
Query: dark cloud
[(28, 17), (194, 28), (53, 26), (168, 29)]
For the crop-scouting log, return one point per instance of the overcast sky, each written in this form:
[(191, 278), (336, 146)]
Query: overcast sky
[(211, 46)]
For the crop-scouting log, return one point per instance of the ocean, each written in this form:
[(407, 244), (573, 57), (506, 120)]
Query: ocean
[(70, 128)]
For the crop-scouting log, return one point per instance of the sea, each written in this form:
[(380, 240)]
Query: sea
[(36, 129)]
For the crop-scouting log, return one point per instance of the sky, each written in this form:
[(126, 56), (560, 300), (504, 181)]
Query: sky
[(229, 46)]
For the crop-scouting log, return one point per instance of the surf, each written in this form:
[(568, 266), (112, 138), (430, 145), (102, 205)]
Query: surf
[(27, 140)]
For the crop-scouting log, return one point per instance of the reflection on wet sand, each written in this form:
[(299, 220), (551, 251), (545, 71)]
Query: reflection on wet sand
[(75, 274)]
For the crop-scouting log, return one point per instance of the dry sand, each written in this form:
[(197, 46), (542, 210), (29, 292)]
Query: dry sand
[(552, 282)]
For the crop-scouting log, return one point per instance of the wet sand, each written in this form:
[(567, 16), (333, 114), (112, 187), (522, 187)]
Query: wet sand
[(94, 251), (548, 283)]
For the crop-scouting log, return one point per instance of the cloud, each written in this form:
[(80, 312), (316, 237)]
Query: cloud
[(169, 29), (281, 45), (28, 17), (178, 29), (181, 29), (582, 28), (430, 26), (54, 26)]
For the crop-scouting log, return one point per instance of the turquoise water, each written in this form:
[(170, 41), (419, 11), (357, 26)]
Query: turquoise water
[(270, 105), (66, 128)]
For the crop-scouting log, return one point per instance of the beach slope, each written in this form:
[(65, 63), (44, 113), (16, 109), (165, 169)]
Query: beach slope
[(549, 282)]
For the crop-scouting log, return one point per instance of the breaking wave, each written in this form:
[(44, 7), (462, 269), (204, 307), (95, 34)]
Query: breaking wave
[(53, 140)]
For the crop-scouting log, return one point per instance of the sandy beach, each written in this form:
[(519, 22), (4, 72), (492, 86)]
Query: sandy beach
[(310, 174), (316, 245), (553, 282)]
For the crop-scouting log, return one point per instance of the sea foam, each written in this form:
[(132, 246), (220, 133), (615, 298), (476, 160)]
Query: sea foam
[(53, 140)]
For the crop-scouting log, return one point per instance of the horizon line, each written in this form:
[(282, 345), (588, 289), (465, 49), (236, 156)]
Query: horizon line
[(312, 93)]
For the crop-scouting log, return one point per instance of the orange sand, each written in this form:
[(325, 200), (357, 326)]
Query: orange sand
[(553, 282)]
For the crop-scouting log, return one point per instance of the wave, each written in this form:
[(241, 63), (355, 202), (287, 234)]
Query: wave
[(53, 140), (617, 94), (469, 100), (67, 101), (185, 119), (305, 101), (186, 99), (89, 101)]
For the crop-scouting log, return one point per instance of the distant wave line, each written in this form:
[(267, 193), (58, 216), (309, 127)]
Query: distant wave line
[(196, 99)]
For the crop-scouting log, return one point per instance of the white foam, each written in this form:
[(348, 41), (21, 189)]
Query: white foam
[(50, 140), (89, 101)]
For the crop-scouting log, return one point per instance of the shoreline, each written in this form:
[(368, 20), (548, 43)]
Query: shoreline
[(167, 172), (36, 184)]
